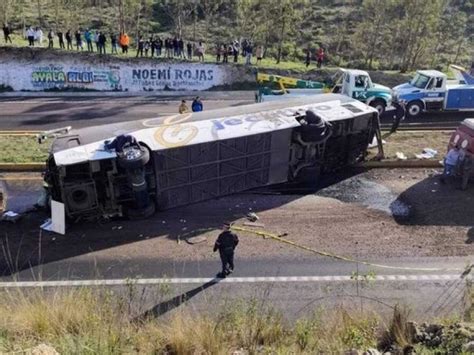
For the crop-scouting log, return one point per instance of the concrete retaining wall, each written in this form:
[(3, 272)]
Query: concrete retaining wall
[(38, 69)]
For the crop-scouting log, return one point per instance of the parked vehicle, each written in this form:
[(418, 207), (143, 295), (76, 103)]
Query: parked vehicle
[(134, 168), (429, 90), (358, 85), (350, 82), (463, 138), (272, 87)]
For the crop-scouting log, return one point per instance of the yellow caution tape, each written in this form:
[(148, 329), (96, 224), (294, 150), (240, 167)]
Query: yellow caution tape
[(278, 238)]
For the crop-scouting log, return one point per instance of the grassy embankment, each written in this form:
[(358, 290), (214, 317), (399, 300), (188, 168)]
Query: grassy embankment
[(22, 149), (90, 321), (267, 63), (25, 149)]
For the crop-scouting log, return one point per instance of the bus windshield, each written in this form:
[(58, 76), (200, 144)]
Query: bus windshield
[(420, 81)]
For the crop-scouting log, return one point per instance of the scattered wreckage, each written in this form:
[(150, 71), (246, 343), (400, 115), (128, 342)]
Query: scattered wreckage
[(134, 168)]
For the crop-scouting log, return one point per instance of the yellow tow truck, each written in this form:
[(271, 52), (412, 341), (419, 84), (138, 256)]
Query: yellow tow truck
[(272, 86)]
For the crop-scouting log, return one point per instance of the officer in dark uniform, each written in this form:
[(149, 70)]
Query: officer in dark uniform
[(226, 243)]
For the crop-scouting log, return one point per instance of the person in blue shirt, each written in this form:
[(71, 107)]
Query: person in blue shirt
[(197, 105), (88, 38)]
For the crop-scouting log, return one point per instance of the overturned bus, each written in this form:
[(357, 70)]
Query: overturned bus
[(134, 168)]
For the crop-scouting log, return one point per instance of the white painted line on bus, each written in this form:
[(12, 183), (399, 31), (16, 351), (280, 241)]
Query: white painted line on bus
[(230, 280)]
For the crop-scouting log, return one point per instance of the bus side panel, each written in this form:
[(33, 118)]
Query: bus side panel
[(204, 171)]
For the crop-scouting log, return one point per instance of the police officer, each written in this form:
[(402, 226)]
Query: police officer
[(226, 243)]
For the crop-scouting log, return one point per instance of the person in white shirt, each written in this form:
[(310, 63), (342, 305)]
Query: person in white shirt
[(450, 162), (30, 34), (39, 36)]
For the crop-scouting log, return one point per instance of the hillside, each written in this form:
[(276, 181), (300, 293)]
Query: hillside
[(374, 34)]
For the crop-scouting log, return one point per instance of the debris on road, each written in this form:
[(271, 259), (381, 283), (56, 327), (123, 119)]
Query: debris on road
[(253, 224), (252, 217), (47, 225), (401, 156), (427, 153), (196, 240)]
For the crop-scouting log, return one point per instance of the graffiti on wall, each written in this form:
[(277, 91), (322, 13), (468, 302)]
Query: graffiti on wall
[(112, 77), (159, 78), (58, 76)]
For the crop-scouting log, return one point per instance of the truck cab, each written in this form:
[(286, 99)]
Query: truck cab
[(426, 91), (358, 85)]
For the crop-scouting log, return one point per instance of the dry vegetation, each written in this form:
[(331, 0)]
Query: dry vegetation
[(412, 143), (89, 321)]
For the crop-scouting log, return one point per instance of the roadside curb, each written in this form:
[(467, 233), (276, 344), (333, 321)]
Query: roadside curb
[(224, 95), (22, 167), (385, 164)]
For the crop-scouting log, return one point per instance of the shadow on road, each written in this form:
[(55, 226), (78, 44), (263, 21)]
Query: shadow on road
[(24, 246), (167, 306), (432, 203)]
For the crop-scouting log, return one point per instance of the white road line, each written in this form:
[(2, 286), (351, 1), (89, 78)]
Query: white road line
[(201, 280)]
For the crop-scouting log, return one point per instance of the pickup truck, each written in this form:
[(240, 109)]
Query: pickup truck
[(429, 90)]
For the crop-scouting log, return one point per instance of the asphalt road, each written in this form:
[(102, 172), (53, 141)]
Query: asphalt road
[(49, 113), (316, 281), (43, 113)]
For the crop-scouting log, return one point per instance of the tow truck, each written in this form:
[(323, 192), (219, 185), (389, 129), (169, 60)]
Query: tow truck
[(350, 82), (429, 90), (134, 168), (272, 87)]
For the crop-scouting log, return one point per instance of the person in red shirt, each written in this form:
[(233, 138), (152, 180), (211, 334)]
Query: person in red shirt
[(320, 57)]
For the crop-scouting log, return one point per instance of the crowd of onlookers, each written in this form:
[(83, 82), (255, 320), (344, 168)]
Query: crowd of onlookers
[(148, 46)]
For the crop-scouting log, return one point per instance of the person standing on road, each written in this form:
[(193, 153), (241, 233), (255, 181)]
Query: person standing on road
[(226, 244), (183, 108), (197, 106), (6, 33)]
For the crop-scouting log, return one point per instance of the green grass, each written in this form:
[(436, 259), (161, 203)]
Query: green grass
[(267, 63), (22, 149)]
